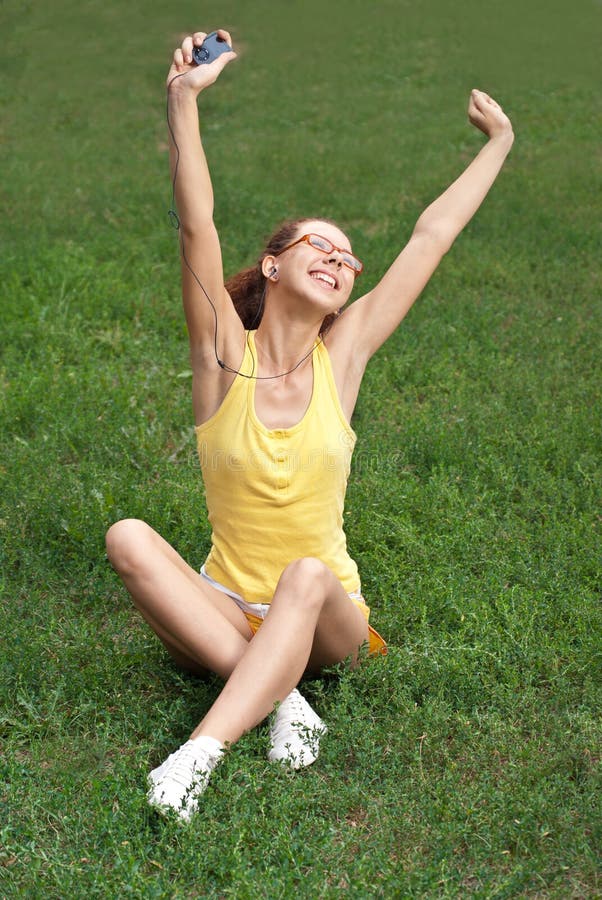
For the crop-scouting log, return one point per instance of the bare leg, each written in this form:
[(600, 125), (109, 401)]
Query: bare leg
[(201, 627), (311, 622)]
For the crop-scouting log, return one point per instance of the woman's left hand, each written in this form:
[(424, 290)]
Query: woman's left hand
[(487, 115)]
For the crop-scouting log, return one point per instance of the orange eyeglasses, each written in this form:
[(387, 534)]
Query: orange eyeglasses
[(326, 246)]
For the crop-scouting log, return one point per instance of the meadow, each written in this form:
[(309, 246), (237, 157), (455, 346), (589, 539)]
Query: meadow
[(467, 762)]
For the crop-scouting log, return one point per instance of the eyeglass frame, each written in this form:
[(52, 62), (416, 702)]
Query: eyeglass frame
[(305, 238)]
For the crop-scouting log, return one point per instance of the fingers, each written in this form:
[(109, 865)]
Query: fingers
[(482, 101), (187, 50), (197, 39), (225, 35), (478, 100), (183, 55), (222, 61), (487, 115), (183, 63), (481, 106), (189, 42)]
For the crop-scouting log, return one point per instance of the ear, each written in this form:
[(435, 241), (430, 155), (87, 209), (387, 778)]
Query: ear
[(267, 264)]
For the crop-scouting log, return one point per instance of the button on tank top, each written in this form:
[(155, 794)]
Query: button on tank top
[(276, 495)]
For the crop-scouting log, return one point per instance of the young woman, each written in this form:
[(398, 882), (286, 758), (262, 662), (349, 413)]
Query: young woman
[(277, 366)]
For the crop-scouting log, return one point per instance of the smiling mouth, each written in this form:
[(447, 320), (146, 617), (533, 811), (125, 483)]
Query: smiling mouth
[(327, 280)]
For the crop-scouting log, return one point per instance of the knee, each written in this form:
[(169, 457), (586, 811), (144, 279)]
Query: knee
[(127, 543), (307, 580)]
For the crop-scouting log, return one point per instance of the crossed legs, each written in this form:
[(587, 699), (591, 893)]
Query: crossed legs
[(311, 624)]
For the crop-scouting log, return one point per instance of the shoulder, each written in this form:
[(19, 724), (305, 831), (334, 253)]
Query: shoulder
[(344, 340), (211, 382), (347, 359)]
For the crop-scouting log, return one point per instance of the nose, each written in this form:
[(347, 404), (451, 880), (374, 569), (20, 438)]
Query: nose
[(336, 259)]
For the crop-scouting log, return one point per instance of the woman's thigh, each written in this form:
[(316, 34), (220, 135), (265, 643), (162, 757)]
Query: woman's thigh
[(340, 629), (201, 627), (141, 556)]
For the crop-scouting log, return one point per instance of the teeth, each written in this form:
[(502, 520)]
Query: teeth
[(321, 276)]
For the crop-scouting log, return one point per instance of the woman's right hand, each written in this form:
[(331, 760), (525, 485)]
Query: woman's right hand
[(185, 71)]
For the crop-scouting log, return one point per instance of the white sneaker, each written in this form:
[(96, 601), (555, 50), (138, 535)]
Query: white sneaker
[(179, 781), (295, 732)]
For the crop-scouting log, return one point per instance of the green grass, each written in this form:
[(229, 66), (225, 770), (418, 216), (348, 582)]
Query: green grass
[(467, 762)]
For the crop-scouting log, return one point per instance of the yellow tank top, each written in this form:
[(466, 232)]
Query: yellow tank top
[(276, 495)]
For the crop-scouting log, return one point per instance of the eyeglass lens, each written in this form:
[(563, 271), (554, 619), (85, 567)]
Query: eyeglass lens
[(321, 243)]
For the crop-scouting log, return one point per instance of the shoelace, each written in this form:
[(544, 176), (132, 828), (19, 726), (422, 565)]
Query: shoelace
[(291, 712), (184, 765)]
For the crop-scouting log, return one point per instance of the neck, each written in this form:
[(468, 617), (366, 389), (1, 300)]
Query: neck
[(282, 343)]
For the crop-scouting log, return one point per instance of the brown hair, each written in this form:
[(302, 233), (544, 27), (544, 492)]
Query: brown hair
[(247, 288)]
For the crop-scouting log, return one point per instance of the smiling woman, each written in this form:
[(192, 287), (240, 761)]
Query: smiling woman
[(248, 288), (277, 366)]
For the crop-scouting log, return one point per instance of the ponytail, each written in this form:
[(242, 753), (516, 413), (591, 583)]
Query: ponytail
[(246, 290)]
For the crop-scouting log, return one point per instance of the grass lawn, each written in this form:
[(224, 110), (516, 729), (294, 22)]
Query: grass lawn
[(466, 763)]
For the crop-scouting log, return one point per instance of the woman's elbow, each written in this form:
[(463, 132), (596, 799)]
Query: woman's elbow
[(437, 237)]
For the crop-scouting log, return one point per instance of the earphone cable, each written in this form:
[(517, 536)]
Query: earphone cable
[(175, 222)]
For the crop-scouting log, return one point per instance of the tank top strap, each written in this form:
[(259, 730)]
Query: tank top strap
[(325, 384), (236, 393)]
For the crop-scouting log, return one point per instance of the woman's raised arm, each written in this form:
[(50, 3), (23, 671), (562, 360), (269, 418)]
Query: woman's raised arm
[(368, 322), (199, 243)]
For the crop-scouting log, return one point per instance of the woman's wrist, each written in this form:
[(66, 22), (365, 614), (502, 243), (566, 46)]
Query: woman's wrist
[(180, 92), (503, 139)]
